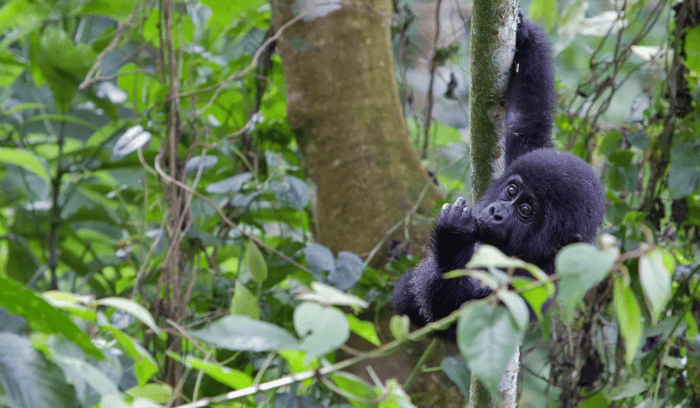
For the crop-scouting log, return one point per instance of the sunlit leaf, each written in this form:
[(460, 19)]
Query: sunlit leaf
[(399, 326), (130, 141), (42, 316), (517, 307), (25, 159), (656, 282), (629, 315), (153, 392), (133, 308), (244, 302), (328, 295), (363, 329), (228, 376)]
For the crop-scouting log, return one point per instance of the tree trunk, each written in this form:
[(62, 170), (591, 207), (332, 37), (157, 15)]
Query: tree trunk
[(343, 105), (494, 24), (344, 108)]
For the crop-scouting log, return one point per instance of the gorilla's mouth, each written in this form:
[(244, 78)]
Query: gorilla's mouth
[(490, 235)]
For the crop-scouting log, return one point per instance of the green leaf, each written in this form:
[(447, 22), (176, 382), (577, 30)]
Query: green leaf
[(357, 387), (348, 270), (629, 316), (328, 295), (656, 281), (517, 307), (61, 62), (544, 11), (228, 376), (229, 185), (322, 329), (535, 295), (692, 48), (255, 262), (456, 370), (488, 337), (244, 302), (363, 329), (132, 308), (24, 159), (319, 258), (632, 387), (684, 170), (81, 372), (579, 267), (21, 262), (70, 303), (399, 326), (118, 10), (43, 317), (28, 380), (291, 193), (159, 393), (145, 365), (244, 333)]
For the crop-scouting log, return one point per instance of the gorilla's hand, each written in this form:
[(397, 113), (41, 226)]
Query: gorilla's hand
[(455, 234)]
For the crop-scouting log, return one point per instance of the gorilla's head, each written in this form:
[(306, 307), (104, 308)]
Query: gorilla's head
[(545, 199)]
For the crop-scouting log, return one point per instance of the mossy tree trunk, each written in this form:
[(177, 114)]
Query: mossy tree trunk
[(494, 24), (343, 105)]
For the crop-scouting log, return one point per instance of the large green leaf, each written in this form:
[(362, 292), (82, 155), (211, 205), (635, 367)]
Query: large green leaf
[(244, 333), (42, 316), (655, 280), (132, 308), (62, 63), (579, 267), (28, 380), (488, 337), (25, 159), (322, 328)]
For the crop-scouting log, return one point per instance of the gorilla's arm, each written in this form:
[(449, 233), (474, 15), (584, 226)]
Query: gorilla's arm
[(423, 294), (530, 95)]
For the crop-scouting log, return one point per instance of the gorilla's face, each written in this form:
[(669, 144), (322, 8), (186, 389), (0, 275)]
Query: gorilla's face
[(507, 212), (545, 200)]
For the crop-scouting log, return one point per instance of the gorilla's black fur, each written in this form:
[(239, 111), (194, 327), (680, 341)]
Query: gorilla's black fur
[(544, 200)]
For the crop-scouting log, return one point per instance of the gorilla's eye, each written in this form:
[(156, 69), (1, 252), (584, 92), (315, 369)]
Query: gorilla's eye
[(525, 210), (511, 190)]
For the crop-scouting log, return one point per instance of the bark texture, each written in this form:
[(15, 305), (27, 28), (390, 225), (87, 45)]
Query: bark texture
[(494, 24), (343, 105), (491, 50)]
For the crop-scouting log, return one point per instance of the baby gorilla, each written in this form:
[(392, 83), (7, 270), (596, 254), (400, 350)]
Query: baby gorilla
[(545, 199)]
